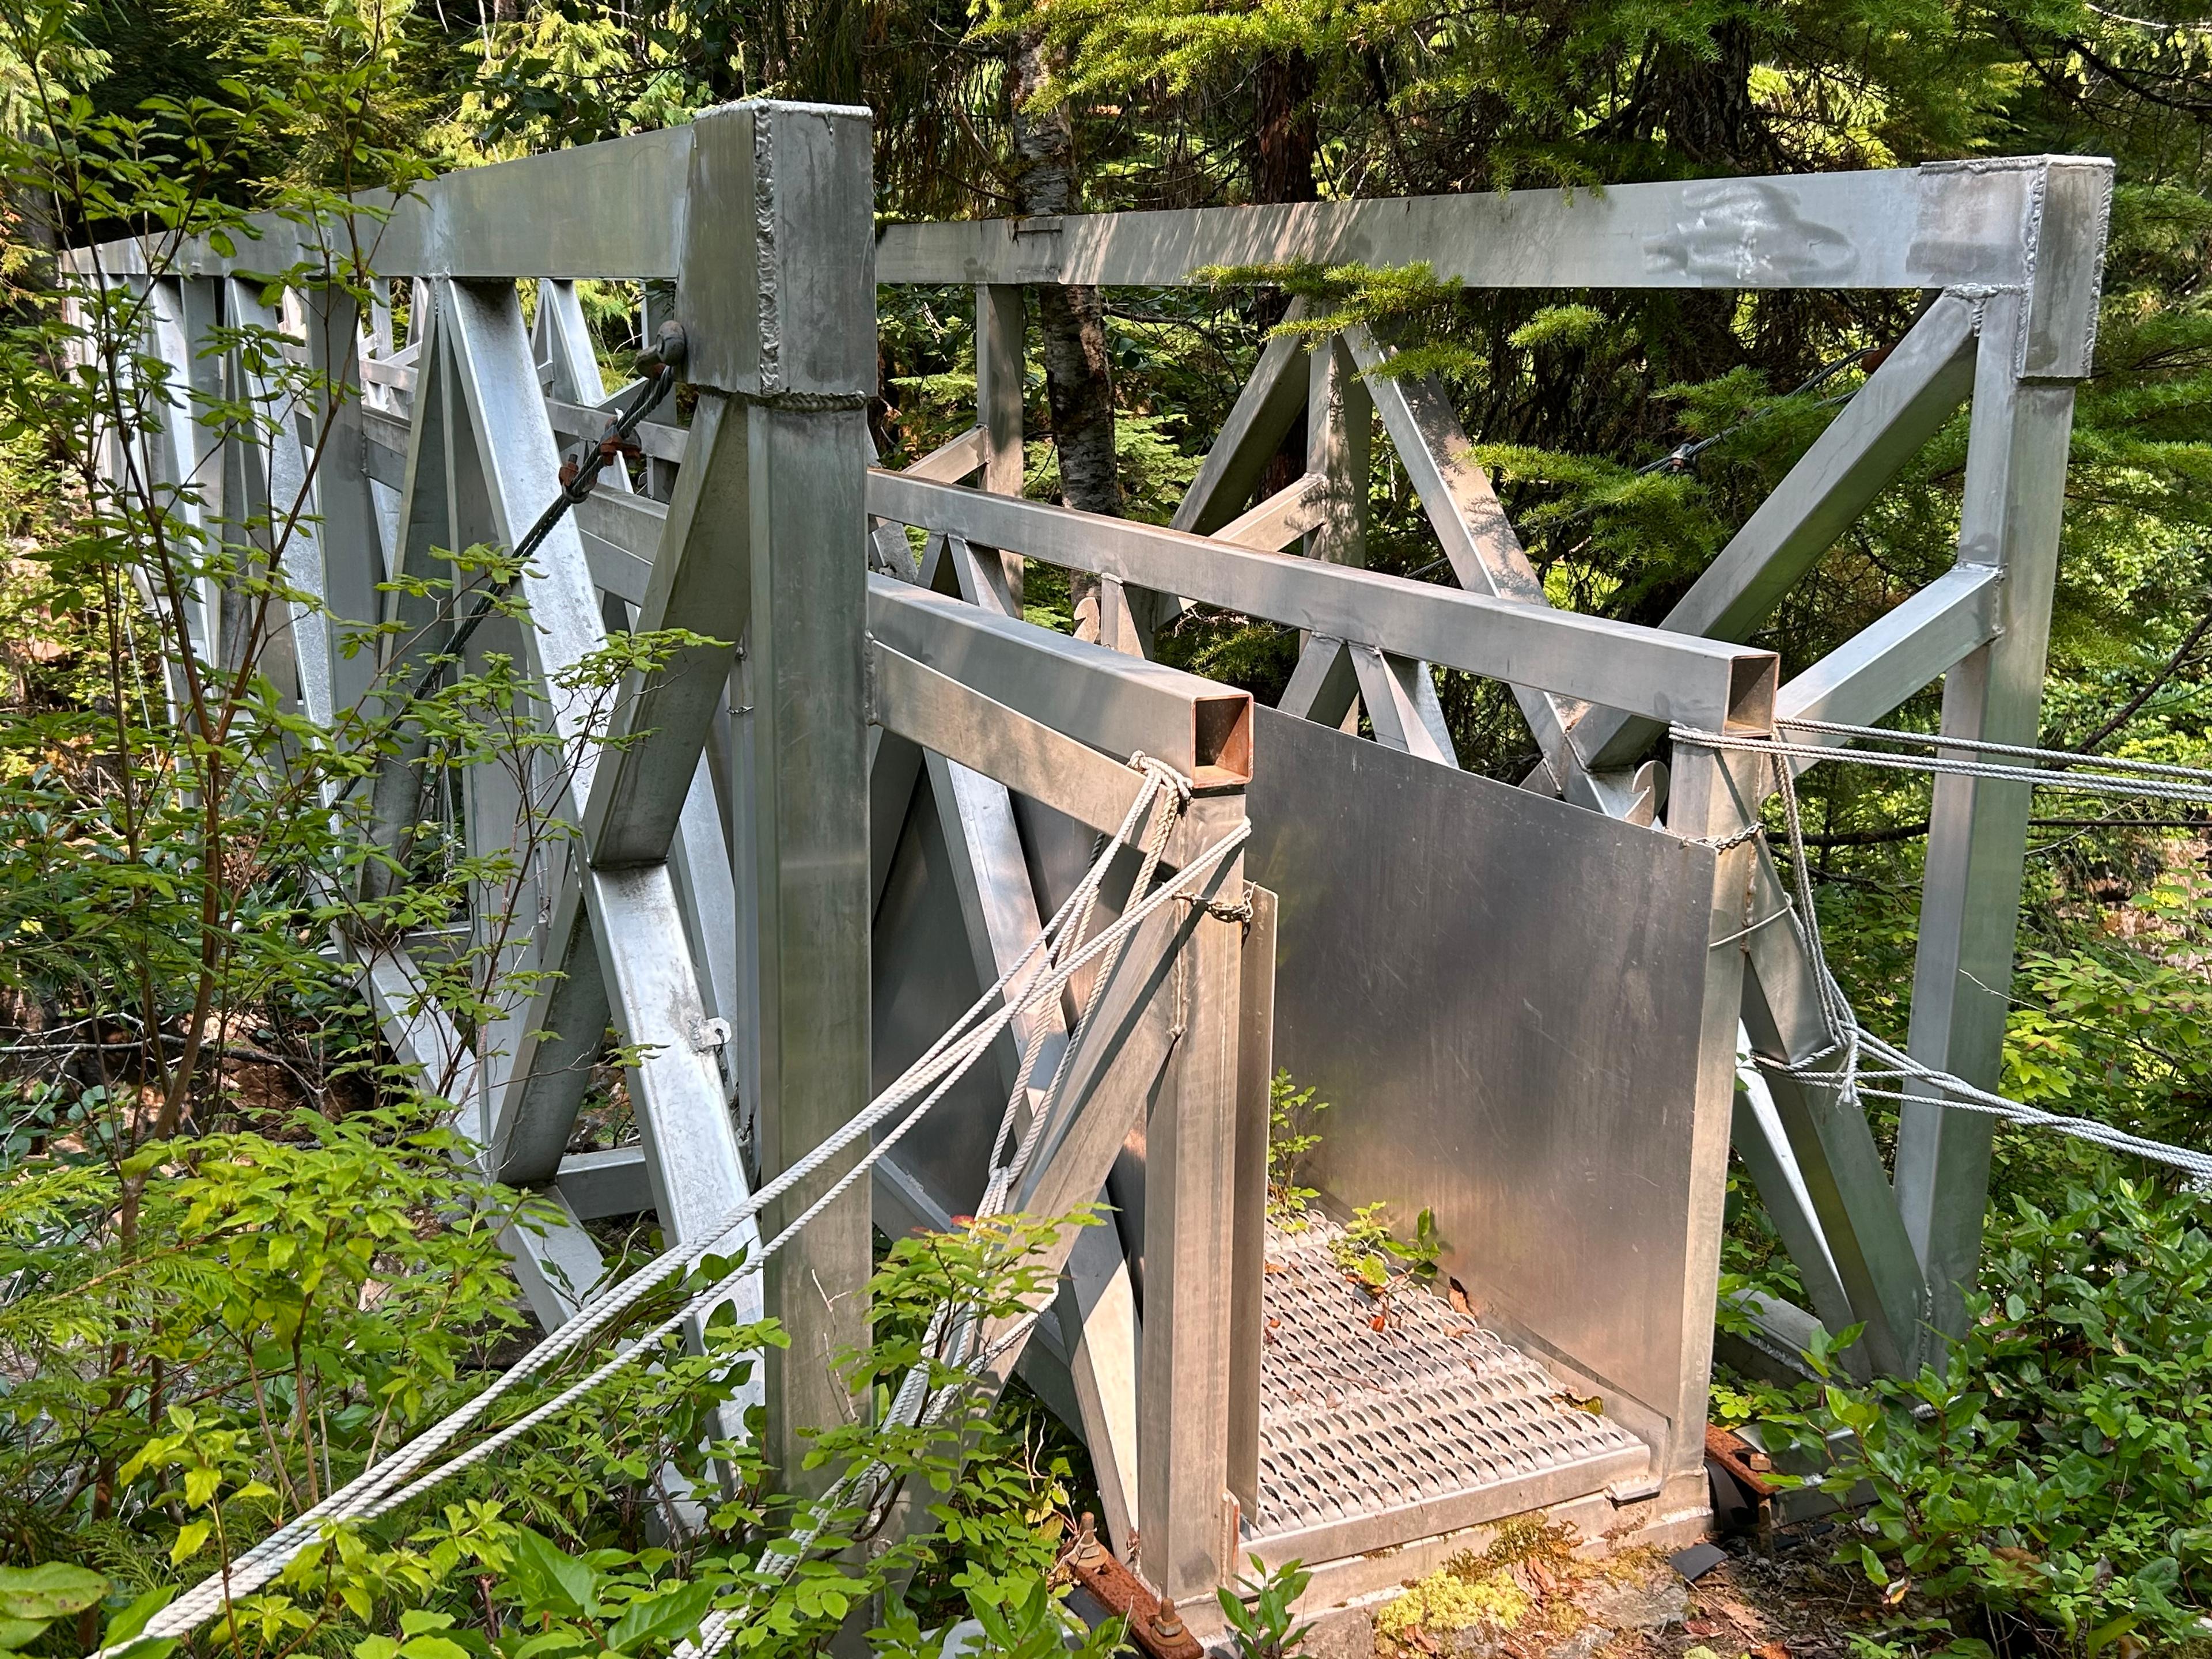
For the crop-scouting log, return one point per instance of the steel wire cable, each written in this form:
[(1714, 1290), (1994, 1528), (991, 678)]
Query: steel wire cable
[(380, 1490), (1847, 1037), (2145, 787), (1977, 745)]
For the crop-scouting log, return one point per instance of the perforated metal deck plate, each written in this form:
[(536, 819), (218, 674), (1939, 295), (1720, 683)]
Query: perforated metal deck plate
[(1373, 1438)]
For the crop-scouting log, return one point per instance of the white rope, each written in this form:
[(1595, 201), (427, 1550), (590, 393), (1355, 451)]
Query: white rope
[(1847, 1037), (2145, 787), (386, 1486)]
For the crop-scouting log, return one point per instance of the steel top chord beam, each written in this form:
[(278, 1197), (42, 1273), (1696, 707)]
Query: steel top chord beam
[(1930, 227), (1617, 664), (616, 209)]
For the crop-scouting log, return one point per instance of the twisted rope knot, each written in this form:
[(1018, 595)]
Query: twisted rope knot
[(1153, 766)]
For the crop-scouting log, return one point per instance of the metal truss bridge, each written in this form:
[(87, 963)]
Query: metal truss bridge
[(798, 855)]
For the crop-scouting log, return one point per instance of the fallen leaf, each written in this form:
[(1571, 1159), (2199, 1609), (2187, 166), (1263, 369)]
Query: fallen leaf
[(1771, 1650), (1899, 1590), (1380, 1322)]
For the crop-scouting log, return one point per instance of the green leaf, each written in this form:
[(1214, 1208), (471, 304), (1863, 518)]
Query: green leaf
[(433, 1647), (189, 1538), (668, 1617), (552, 1641), (51, 1591), (547, 1579), (20, 1633), (132, 1619), (2104, 1635)]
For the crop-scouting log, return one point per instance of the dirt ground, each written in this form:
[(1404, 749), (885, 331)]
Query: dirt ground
[(1531, 1598)]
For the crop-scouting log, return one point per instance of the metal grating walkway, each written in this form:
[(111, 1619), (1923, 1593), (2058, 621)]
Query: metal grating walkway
[(1373, 1438)]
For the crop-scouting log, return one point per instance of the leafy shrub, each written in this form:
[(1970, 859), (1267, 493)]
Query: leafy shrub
[(1290, 1114), (2060, 1464)]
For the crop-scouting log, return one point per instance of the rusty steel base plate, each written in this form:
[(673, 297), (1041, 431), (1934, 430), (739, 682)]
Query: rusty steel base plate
[(1372, 1438)]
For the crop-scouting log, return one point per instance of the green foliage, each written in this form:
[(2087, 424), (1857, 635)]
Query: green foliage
[(1378, 1262), (1290, 1138), (606, 1601), (2060, 1463), (1260, 1613), (1029, 1623)]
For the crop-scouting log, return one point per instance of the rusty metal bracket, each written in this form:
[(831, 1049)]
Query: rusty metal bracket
[(1153, 1624), (1749, 1465)]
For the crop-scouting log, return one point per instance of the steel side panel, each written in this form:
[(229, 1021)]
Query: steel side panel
[(1533, 1082), (924, 978)]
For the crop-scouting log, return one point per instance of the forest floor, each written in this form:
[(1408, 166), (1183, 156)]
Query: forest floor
[(1779, 1599)]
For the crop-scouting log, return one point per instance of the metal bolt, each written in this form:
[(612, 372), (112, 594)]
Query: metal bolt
[(1165, 1624), (1087, 1547)]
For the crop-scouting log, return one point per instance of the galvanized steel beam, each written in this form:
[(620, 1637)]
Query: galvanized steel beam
[(1930, 227), (1101, 698), (1897, 411), (653, 991), (1666, 677)]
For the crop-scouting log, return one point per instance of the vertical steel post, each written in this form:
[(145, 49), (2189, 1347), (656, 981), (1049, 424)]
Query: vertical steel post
[(1183, 1454), (350, 542), (1710, 804), (2035, 346), (999, 339), (1247, 1256), (778, 291)]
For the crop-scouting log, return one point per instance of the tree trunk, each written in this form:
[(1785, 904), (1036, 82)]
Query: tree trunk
[(1286, 136), (1701, 103), (1078, 378)]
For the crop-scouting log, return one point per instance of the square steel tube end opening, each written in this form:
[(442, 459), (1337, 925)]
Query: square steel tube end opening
[(1753, 679), (1221, 740)]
